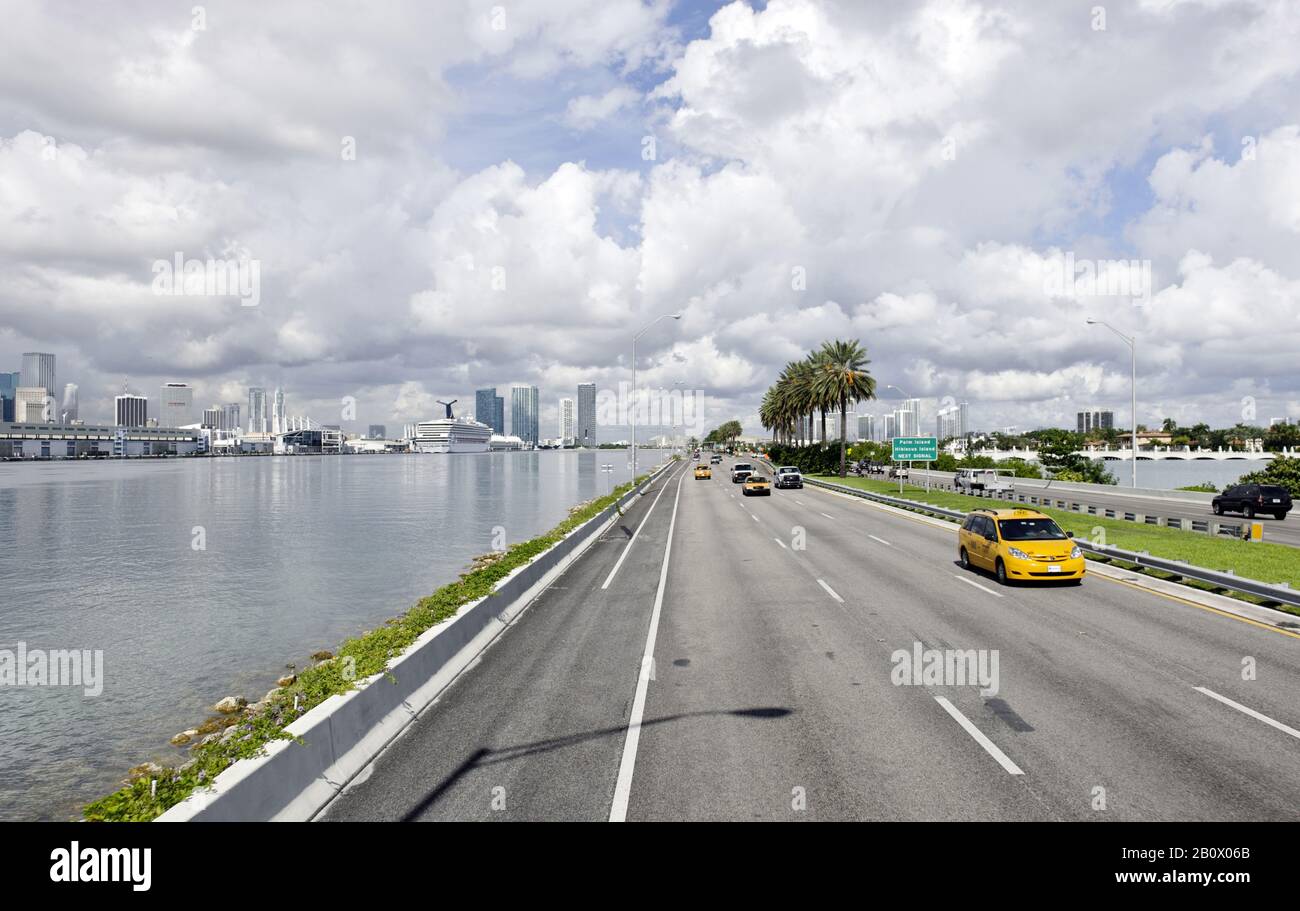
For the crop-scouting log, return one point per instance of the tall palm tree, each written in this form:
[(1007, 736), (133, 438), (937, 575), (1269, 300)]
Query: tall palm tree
[(843, 379)]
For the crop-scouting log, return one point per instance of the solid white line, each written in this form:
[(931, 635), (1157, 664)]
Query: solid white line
[(623, 555), (828, 515), (1251, 712), (881, 540), (977, 585), (623, 788), (782, 543), (989, 746), (830, 591)]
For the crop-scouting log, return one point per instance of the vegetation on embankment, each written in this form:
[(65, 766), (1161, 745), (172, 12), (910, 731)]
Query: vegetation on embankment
[(245, 732), (1265, 562)]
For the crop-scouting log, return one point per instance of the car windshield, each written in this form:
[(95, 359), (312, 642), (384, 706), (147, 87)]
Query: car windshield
[(758, 478), (788, 470), (1031, 530), (744, 466)]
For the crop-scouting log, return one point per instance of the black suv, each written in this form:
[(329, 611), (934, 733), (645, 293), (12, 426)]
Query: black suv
[(1251, 499)]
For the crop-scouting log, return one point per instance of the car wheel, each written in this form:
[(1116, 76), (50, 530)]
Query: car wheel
[(1002, 572), (1280, 515), (1248, 511), (965, 559), (1218, 509)]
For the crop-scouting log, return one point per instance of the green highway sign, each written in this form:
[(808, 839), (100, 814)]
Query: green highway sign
[(915, 449)]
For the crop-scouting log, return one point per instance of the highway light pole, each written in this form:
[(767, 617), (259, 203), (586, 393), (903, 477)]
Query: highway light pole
[(635, 396), (1133, 437)]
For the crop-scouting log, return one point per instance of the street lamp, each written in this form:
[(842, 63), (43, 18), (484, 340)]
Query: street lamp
[(1131, 341), (635, 396)]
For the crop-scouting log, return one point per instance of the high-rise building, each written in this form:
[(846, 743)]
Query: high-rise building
[(891, 426), (9, 383), (1095, 419), (568, 420), (866, 427), (230, 416), (490, 408), (68, 411), (34, 405), (278, 423), (523, 413), (585, 431), (257, 410), (176, 405), (38, 370), (214, 417), (377, 432), (130, 410)]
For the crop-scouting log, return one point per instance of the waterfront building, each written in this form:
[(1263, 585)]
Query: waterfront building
[(230, 419), (523, 413), (214, 418), (48, 440), (176, 405), (33, 404), (502, 443), (130, 410), (38, 370), (568, 421), (585, 433)]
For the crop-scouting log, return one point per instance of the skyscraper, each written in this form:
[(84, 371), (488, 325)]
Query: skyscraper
[(130, 410), (866, 427), (257, 410), (567, 419), (377, 432), (68, 412), (230, 420), (9, 383), (38, 370), (523, 413), (214, 417), (176, 405), (489, 408), (34, 405), (585, 432), (278, 424)]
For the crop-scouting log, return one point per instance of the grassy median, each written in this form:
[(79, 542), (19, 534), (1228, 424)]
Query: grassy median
[(1265, 562), (357, 659)]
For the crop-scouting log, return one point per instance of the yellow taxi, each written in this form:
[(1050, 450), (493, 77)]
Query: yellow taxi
[(1019, 544), (703, 472), (757, 485)]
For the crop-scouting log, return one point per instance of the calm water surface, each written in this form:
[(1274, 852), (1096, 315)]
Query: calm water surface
[(301, 552)]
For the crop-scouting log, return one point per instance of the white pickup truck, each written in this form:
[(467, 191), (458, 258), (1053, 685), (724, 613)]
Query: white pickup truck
[(986, 480)]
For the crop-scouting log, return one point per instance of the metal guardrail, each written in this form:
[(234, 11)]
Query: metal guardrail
[(1281, 593)]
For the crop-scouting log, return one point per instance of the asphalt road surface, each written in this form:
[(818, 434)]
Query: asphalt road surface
[(770, 691), (1284, 531)]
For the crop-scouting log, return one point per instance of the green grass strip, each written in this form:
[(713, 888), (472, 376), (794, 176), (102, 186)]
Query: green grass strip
[(357, 659)]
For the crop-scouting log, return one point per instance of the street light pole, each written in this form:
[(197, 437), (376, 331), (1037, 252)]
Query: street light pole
[(1131, 341), (918, 433), (635, 396)]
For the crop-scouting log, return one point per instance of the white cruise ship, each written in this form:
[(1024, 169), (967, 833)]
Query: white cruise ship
[(452, 434)]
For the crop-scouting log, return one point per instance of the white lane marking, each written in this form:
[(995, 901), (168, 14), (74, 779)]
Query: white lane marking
[(977, 585), (830, 591), (989, 746), (782, 543), (754, 517), (801, 502), (881, 540), (828, 515), (626, 550), (623, 788), (1251, 712)]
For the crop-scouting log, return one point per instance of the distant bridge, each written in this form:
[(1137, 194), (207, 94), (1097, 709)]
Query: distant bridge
[(1155, 454)]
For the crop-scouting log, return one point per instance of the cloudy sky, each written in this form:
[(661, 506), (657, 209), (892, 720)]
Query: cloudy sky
[(451, 194)]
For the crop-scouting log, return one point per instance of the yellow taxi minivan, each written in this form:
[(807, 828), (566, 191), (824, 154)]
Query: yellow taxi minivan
[(703, 472), (1019, 544)]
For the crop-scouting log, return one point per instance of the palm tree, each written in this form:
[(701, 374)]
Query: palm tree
[(843, 379)]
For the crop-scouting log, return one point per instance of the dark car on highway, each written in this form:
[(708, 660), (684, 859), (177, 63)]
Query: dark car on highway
[(1252, 499)]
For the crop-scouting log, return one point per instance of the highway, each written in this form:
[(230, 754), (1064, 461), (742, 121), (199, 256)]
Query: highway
[(770, 623), (1286, 531)]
